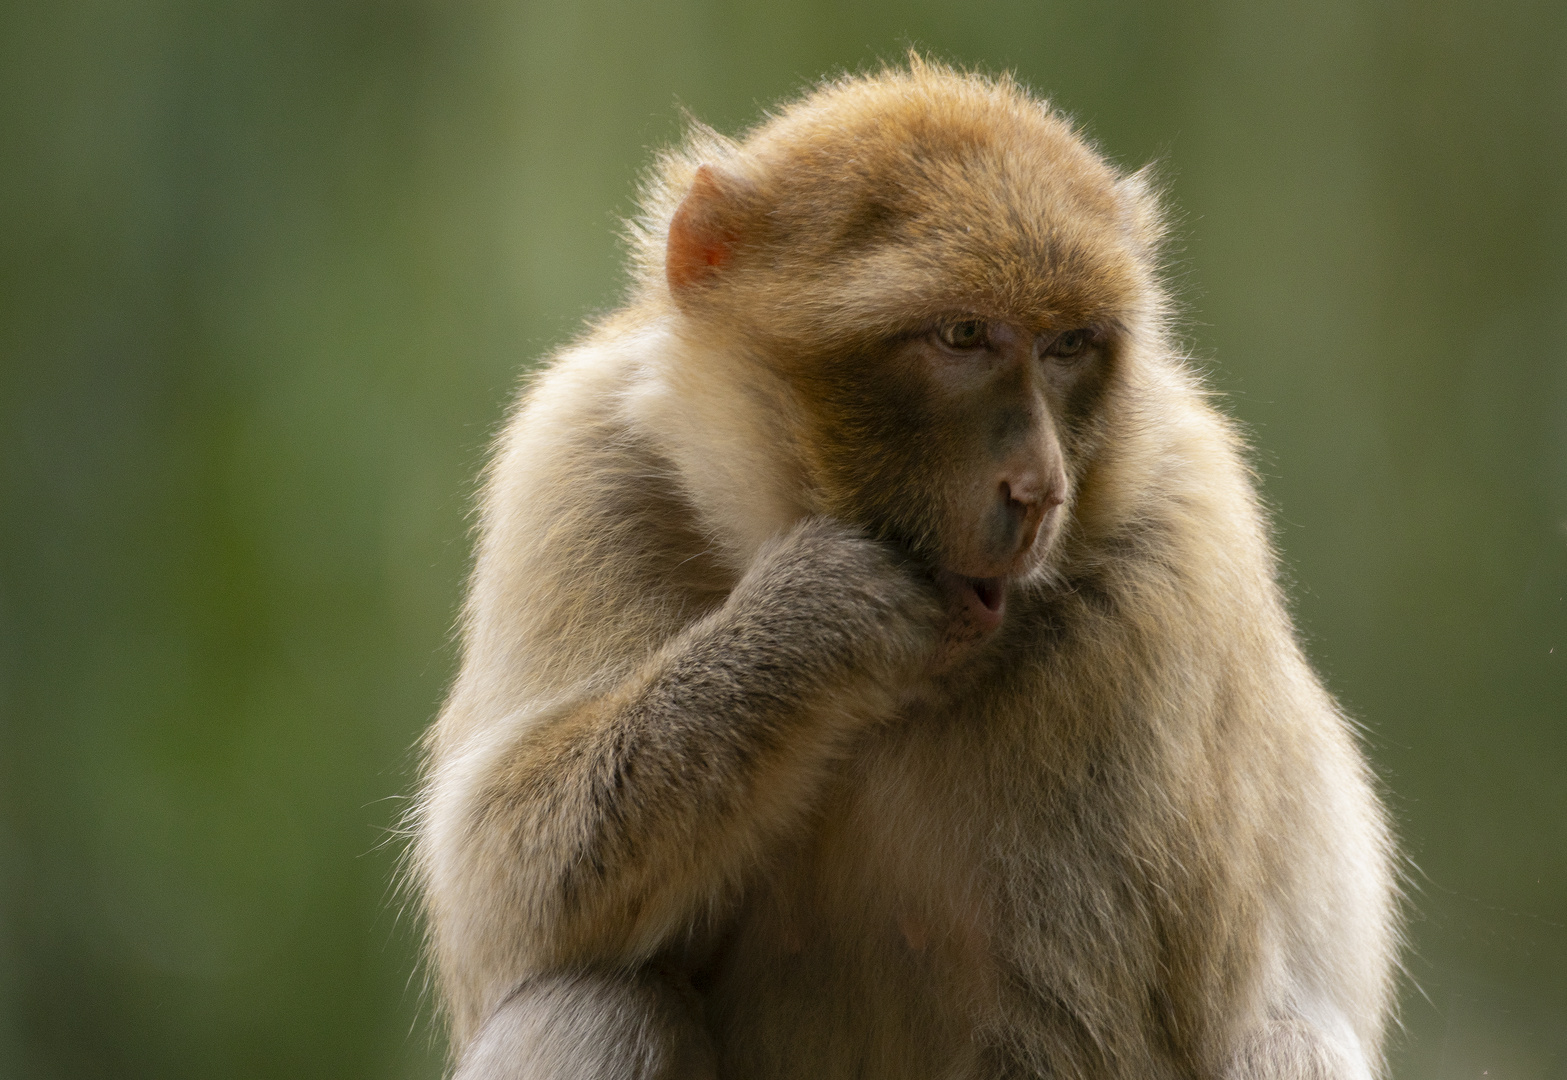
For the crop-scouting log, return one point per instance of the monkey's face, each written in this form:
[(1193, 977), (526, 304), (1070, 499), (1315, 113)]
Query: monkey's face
[(960, 441)]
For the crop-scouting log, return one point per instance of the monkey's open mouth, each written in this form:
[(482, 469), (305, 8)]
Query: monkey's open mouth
[(976, 604), (983, 601), (992, 592)]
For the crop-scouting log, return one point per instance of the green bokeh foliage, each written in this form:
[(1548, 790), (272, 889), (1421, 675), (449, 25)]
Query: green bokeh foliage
[(269, 271)]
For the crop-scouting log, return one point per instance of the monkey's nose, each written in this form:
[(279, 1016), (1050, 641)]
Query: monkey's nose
[(1026, 501)]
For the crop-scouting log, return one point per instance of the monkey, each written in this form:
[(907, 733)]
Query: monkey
[(874, 663)]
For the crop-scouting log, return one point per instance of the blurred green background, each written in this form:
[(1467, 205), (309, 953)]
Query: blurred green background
[(269, 272)]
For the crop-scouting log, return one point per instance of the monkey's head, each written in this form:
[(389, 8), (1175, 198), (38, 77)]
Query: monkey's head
[(951, 285)]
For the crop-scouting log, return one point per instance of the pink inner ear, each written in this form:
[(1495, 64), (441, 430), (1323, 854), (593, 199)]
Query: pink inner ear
[(699, 244)]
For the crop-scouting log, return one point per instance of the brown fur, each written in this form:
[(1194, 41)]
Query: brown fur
[(718, 790)]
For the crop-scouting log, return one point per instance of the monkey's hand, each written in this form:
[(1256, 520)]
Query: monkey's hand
[(843, 611)]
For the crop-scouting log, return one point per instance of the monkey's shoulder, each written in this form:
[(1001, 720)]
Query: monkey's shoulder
[(590, 553)]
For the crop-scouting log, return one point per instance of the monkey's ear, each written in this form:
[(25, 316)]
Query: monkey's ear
[(704, 230)]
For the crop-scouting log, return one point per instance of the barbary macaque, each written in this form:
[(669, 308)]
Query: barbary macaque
[(874, 664)]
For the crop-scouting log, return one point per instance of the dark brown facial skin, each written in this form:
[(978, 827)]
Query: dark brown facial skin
[(1003, 389), (982, 403)]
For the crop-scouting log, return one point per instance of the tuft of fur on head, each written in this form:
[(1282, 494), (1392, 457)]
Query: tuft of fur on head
[(857, 161)]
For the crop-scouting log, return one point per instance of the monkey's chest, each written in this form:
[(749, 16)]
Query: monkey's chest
[(887, 943), (861, 951)]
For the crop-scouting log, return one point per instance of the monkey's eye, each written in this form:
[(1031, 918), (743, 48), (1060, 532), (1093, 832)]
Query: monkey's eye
[(1070, 344), (969, 334)]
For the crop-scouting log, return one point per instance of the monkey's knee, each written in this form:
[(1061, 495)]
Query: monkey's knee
[(593, 1026), (1294, 1050)]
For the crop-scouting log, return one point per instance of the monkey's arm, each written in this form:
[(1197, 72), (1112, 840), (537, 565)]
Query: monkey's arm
[(597, 833)]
